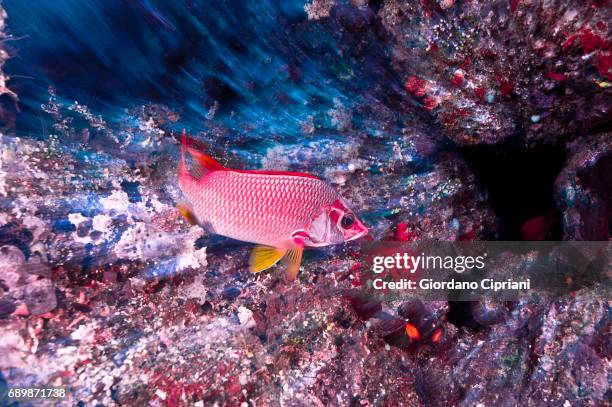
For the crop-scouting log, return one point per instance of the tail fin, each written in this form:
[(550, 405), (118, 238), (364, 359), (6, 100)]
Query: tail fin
[(203, 163)]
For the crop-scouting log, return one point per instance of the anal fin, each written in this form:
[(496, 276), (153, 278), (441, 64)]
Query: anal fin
[(293, 260), (264, 257)]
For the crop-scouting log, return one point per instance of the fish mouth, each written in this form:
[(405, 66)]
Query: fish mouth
[(358, 235)]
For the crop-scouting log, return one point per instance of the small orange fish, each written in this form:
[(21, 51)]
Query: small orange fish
[(412, 332), (437, 335), (282, 212)]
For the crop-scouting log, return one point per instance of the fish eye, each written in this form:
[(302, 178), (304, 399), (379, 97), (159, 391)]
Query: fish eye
[(347, 221)]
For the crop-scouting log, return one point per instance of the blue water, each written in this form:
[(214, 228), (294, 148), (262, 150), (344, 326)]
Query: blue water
[(266, 68)]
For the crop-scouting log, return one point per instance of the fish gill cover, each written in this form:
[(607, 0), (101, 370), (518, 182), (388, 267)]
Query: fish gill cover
[(435, 119)]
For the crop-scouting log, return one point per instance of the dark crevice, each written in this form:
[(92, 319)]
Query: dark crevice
[(519, 182), (460, 314)]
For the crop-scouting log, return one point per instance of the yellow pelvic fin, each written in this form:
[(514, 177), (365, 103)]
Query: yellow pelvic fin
[(293, 261), (264, 257), (187, 213)]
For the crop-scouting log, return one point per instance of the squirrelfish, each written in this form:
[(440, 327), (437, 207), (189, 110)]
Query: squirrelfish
[(281, 212)]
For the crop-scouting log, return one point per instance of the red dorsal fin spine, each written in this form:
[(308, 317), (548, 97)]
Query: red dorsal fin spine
[(208, 163), (183, 167), (203, 164)]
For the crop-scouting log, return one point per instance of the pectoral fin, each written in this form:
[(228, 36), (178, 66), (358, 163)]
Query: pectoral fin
[(293, 259), (264, 257)]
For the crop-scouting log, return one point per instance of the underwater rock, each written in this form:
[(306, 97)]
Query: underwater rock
[(487, 70), (443, 68), (6, 308), (443, 203), (104, 289), (11, 262), (522, 350), (26, 282), (583, 190), (39, 296), (563, 91)]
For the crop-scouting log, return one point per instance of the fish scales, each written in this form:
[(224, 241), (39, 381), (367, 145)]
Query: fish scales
[(258, 208)]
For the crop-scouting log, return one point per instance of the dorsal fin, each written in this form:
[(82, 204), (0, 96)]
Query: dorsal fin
[(203, 162), (206, 162), (286, 173), (183, 167)]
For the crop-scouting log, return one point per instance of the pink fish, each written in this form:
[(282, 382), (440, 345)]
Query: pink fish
[(279, 211)]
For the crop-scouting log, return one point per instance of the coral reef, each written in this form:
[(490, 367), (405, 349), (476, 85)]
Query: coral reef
[(105, 290)]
